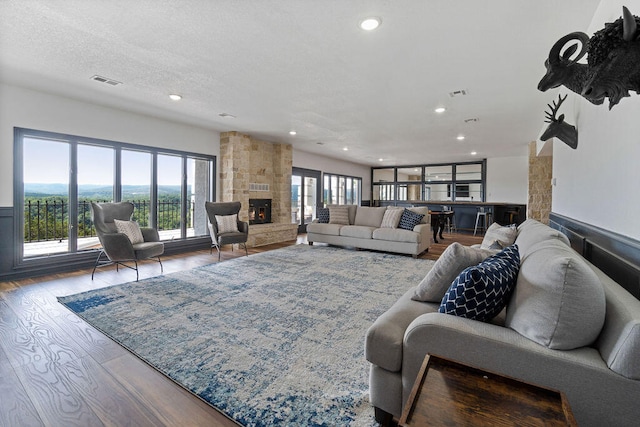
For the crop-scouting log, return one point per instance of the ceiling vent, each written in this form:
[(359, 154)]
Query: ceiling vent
[(460, 92), (106, 80), (474, 120)]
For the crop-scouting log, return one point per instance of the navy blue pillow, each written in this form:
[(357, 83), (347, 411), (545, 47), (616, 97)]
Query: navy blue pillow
[(409, 219), (323, 215), (482, 291)]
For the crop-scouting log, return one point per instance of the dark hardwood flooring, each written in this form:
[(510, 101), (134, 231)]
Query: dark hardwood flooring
[(56, 370)]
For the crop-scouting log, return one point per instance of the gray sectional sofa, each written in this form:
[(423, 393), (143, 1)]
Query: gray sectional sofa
[(567, 326), (364, 229)]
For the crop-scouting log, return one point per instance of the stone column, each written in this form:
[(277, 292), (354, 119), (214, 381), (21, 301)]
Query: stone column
[(235, 158), (282, 168), (540, 189)]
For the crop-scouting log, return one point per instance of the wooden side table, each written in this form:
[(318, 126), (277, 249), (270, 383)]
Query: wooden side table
[(448, 393)]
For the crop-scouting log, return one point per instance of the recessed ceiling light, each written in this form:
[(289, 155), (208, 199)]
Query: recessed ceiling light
[(370, 24), (440, 110), (345, 149), (293, 132), (175, 97), (460, 137), (380, 160), (473, 153)]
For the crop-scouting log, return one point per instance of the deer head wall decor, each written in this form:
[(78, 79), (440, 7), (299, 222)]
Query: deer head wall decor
[(558, 128), (613, 62)]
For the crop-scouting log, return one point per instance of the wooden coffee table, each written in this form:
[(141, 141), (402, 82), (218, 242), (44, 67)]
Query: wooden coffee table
[(448, 393)]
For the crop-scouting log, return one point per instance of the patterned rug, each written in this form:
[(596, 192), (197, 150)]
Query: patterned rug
[(276, 338)]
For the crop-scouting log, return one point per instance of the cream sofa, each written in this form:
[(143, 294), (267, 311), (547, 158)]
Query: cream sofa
[(364, 231), (599, 373)]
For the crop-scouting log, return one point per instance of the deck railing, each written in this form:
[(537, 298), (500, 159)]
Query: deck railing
[(47, 220)]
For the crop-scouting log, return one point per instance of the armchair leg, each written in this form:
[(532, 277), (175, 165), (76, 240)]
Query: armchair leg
[(384, 418), (161, 267), (246, 252), (96, 264)]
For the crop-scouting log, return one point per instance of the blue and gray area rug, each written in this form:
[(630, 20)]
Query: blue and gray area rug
[(275, 338)]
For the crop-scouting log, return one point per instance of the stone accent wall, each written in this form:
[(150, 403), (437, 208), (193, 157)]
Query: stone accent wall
[(247, 161), (235, 161), (540, 189)]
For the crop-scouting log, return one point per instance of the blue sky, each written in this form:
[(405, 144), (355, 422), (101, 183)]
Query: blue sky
[(47, 162)]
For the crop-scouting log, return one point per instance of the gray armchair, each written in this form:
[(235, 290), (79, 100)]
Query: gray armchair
[(218, 239), (117, 247)]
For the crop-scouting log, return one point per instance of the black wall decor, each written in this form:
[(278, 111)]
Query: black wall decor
[(558, 127), (613, 62)]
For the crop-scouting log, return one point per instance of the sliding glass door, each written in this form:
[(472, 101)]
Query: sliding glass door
[(305, 197)]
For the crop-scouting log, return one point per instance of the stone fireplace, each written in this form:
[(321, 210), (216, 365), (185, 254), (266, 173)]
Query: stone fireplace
[(258, 170)]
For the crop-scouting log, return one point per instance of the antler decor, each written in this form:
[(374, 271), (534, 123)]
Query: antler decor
[(557, 127), (613, 62)]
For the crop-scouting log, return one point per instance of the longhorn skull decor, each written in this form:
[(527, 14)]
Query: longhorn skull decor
[(613, 62), (558, 127)]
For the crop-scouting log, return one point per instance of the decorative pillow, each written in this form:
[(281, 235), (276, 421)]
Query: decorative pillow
[(481, 292), (391, 218), (409, 219), (453, 260), (423, 210), (323, 215), (559, 301), (227, 223), (338, 215), (504, 235), (131, 229)]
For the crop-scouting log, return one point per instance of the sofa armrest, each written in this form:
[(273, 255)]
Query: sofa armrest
[(502, 350), (424, 230)]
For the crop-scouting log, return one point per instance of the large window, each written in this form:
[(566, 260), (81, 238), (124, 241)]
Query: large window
[(441, 182), (58, 176), (342, 189)]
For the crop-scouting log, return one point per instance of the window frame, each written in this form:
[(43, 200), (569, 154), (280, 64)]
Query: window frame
[(341, 199), (72, 255)]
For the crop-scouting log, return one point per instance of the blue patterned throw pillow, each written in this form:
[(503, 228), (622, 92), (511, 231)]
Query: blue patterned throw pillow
[(482, 291), (323, 215), (409, 219)]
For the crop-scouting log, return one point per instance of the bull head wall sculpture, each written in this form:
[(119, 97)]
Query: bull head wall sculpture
[(613, 62), (558, 128)]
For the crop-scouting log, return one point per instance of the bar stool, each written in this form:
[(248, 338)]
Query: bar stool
[(450, 224), (486, 218)]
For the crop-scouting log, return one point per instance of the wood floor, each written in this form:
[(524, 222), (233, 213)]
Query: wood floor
[(56, 370)]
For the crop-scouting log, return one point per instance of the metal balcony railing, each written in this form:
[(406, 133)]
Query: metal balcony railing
[(48, 220)]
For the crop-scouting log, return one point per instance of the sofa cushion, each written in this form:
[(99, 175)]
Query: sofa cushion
[(502, 235), (357, 231), (391, 218), (396, 235), (409, 219), (453, 260), (531, 232), (482, 291), (369, 217), (558, 301), (330, 229), (339, 215), (323, 215)]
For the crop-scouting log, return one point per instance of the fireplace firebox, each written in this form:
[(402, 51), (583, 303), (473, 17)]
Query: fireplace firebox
[(259, 211)]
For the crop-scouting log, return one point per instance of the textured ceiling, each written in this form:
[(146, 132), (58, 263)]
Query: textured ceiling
[(305, 65)]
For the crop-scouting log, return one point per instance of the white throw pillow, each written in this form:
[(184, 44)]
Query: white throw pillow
[(503, 235), (227, 223), (391, 218), (453, 260), (131, 229)]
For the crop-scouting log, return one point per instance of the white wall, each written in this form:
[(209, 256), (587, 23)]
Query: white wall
[(302, 159), (598, 183), (26, 108), (507, 180)]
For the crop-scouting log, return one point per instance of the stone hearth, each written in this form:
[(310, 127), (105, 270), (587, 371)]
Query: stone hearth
[(253, 169)]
